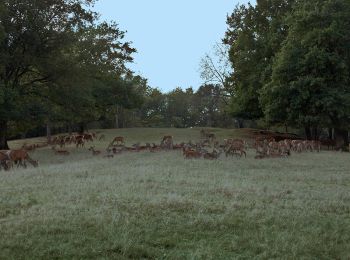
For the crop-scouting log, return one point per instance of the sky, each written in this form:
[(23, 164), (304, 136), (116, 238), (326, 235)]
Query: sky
[(171, 36)]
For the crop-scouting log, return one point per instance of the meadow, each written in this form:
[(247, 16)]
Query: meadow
[(161, 206)]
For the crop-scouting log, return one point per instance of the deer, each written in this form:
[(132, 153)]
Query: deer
[(297, 145), (191, 154), (20, 157), (118, 140), (237, 147), (166, 137), (60, 152), (88, 137), (94, 152), (28, 147), (80, 142), (154, 148), (212, 156), (316, 145), (167, 142)]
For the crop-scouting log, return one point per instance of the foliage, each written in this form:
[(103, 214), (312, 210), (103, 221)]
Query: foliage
[(310, 79), (254, 34), (185, 108), (56, 58)]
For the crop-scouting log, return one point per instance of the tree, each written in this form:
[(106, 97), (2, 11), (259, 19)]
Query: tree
[(35, 32), (209, 106), (177, 107), (254, 36), (215, 69), (56, 53), (310, 85)]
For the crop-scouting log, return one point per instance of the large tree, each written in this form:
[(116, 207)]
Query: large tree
[(254, 35), (310, 85), (35, 32)]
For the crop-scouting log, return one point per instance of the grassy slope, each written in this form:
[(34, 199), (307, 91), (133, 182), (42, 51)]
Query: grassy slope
[(158, 205)]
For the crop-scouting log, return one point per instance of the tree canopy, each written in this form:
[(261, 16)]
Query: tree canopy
[(290, 63), (56, 58)]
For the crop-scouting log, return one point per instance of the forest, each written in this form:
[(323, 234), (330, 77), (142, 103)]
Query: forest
[(281, 63)]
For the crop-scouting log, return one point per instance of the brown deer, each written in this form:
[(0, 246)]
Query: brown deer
[(154, 148), (118, 140), (80, 142), (167, 142), (88, 137), (191, 154), (236, 148), (166, 137), (20, 157)]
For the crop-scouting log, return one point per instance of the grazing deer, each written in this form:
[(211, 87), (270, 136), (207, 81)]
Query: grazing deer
[(20, 157), (191, 154), (94, 152), (60, 152)]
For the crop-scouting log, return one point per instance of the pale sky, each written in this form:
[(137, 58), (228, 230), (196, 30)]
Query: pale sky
[(171, 36)]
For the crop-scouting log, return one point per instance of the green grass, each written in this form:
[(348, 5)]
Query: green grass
[(160, 206)]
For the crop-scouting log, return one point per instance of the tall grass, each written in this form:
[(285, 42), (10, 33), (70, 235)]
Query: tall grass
[(160, 206)]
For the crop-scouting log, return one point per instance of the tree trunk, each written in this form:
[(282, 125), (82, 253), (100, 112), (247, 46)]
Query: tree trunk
[(307, 132), (3, 136), (330, 133), (70, 129), (239, 122), (116, 121), (81, 128), (315, 133), (341, 138), (48, 132), (286, 128)]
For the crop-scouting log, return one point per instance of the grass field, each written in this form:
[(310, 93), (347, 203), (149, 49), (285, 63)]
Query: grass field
[(160, 206)]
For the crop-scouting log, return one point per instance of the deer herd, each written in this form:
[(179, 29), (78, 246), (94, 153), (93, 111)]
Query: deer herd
[(208, 147)]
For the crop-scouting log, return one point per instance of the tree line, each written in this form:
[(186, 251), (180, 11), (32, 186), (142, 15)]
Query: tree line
[(281, 62)]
